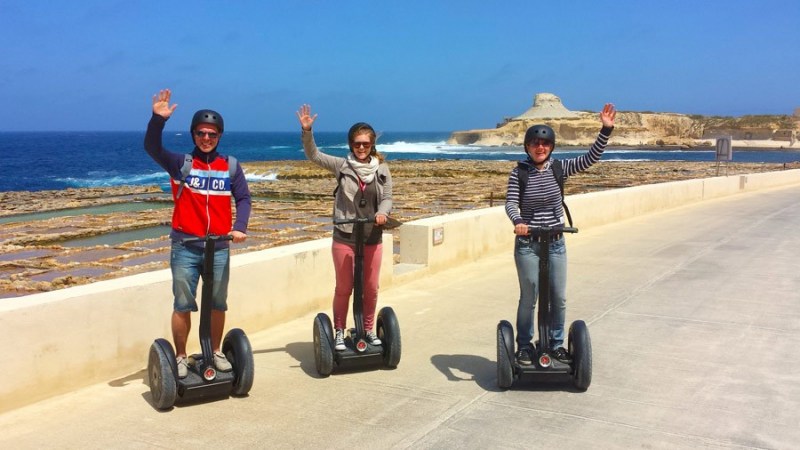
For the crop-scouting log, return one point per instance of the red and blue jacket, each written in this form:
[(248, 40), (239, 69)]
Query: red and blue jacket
[(204, 204)]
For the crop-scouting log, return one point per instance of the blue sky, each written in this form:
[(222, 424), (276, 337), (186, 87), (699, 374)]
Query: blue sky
[(402, 65)]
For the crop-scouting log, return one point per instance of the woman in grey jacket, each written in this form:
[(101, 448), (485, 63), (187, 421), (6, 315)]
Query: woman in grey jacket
[(364, 190)]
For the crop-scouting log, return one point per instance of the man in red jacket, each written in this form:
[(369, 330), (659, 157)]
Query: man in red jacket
[(202, 195)]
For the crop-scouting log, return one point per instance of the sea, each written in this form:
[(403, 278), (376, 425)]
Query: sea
[(39, 161)]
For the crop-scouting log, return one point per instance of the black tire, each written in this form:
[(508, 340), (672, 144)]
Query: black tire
[(505, 355), (323, 344), (580, 348), (389, 334), (237, 349), (162, 371)]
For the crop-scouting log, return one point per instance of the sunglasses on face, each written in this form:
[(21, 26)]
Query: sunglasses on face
[(362, 144), (202, 134), (540, 143)]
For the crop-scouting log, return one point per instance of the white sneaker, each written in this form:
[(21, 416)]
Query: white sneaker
[(221, 362), (339, 341), (183, 367), (372, 338)]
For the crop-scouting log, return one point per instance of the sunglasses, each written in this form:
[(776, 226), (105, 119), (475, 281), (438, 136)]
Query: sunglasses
[(202, 134), (362, 144), (540, 142)]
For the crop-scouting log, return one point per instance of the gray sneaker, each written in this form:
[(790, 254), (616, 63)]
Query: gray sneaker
[(221, 362), (372, 338), (183, 366), (339, 341)]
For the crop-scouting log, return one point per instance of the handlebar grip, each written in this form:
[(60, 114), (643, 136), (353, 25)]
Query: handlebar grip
[(356, 220), (551, 230), (209, 238)]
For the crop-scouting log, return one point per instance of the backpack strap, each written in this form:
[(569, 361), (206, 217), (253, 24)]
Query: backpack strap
[(558, 173), (341, 175), (186, 169), (522, 179), (231, 166)]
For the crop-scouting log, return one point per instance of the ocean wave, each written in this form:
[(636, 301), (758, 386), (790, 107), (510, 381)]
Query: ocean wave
[(633, 150), (436, 148), (260, 176), (99, 180)]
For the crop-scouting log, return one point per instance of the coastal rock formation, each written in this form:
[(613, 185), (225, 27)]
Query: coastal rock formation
[(547, 106), (637, 129)]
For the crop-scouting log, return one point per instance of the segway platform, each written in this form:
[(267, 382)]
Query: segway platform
[(195, 387)]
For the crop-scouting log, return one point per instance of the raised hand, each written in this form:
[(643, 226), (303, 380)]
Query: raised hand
[(608, 114), (305, 117), (161, 104)]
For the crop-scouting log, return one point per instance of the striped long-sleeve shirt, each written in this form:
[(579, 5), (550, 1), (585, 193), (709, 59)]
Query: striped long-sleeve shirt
[(542, 202)]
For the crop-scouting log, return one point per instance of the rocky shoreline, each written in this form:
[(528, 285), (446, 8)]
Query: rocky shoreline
[(41, 253)]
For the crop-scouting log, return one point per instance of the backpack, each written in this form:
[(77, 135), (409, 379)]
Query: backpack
[(558, 173), (187, 168)]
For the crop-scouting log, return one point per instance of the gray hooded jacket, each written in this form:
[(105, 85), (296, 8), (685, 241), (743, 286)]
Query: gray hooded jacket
[(344, 205)]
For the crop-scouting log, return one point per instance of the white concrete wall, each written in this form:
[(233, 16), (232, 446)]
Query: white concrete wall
[(62, 340), (59, 341)]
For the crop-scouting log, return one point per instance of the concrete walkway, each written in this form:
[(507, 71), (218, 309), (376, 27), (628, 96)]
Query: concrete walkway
[(694, 317)]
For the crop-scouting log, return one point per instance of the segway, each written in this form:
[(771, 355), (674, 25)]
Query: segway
[(358, 351), (545, 366), (203, 381)]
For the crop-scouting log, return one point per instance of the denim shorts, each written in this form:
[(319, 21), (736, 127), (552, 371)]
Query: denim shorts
[(186, 262)]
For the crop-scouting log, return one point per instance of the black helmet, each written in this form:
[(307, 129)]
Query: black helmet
[(359, 127), (540, 132), (208, 116)]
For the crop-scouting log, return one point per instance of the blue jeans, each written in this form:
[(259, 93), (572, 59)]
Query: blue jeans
[(526, 257), (186, 262)]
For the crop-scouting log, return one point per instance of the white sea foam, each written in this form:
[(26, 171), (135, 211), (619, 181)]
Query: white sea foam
[(157, 178), (116, 180), (436, 148), (260, 176)]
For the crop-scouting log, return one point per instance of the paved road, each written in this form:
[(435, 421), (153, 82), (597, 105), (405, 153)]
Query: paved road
[(694, 316)]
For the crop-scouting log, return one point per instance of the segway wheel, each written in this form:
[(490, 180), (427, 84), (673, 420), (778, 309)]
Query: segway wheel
[(163, 373), (505, 354), (389, 334), (323, 344), (580, 347), (237, 349)]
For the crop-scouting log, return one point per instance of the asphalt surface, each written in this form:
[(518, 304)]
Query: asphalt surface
[(694, 316)]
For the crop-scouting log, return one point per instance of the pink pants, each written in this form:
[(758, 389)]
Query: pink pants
[(343, 260)]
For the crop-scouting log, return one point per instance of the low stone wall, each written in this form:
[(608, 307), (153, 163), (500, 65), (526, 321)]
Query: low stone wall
[(63, 340)]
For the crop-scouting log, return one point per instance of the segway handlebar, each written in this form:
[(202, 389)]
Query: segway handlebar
[(390, 221), (550, 230), (355, 220), (210, 237)]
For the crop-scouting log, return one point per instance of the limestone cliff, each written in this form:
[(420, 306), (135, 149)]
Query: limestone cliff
[(579, 128)]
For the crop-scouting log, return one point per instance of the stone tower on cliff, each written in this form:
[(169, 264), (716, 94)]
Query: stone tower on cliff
[(546, 106)]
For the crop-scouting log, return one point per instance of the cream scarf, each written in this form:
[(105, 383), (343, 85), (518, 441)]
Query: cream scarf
[(364, 171)]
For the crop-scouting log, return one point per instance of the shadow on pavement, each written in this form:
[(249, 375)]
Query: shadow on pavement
[(481, 370)]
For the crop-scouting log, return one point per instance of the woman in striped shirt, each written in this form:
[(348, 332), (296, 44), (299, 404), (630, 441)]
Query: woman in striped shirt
[(541, 206)]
